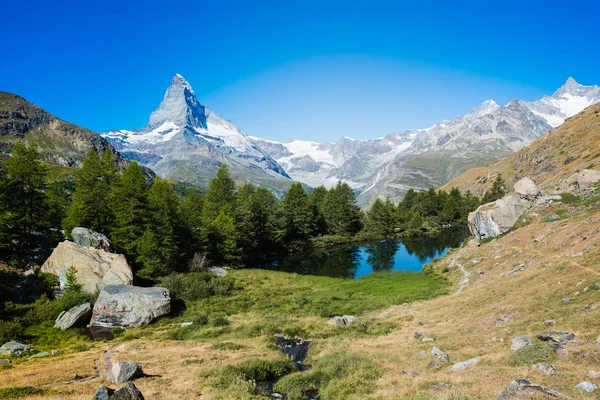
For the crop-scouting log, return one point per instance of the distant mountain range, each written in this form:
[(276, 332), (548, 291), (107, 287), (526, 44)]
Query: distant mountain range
[(421, 158), (186, 141)]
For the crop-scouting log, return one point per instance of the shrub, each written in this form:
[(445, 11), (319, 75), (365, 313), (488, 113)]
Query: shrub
[(44, 309), (569, 198), (219, 321), (533, 354), (226, 346), (258, 370), (196, 285), (299, 385), (18, 392), (10, 330)]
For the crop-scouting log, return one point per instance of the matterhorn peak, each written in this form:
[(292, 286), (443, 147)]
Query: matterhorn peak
[(179, 106)]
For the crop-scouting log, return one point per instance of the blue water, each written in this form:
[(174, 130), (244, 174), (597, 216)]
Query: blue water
[(355, 261)]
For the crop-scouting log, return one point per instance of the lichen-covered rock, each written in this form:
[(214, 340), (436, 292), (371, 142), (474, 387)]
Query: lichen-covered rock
[(95, 268), (125, 372), (546, 369), (525, 188), (440, 355), (524, 387), (13, 348), (586, 387), (128, 392), (88, 238), (520, 342), (493, 219), (465, 364), (103, 393), (76, 316), (346, 320), (557, 338), (129, 306)]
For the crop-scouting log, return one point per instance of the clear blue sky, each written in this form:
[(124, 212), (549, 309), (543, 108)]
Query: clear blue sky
[(314, 70)]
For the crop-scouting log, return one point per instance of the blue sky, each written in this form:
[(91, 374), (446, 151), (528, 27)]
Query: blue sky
[(281, 70)]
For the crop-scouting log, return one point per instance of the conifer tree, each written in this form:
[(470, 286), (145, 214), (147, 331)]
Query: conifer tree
[(92, 200), (317, 199), (130, 206), (497, 191), (220, 195), (342, 215), (25, 198), (224, 236), (191, 218), (381, 218), (300, 218)]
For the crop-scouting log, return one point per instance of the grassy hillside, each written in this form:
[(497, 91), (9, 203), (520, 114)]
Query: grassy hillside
[(573, 146)]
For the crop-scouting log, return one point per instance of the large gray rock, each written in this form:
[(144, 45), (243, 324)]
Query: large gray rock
[(557, 338), (76, 316), (95, 268), (465, 364), (346, 320), (520, 342), (13, 348), (125, 371), (525, 188), (493, 219), (88, 238), (521, 387), (39, 355), (129, 306), (587, 178), (128, 392), (103, 393)]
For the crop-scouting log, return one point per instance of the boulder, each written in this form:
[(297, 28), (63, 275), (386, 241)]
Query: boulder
[(548, 198), (546, 369), (525, 387), (556, 338), (88, 238), (346, 320), (586, 387), (520, 342), (440, 355), (587, 178), (76, 316), (13, 348), (103, 393), (39, 355), (493, 219), (525, 188), (127, 392), (95, 268), (129, 306), (464, 364), (125, 372)]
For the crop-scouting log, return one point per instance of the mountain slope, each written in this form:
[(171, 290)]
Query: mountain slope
[(59, 142), (389, 166), (573, 146), (186, 141)]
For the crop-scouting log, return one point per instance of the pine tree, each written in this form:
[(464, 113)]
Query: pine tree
[(451, 210), (224, 234), (92, 200), (497, 191), (130, 206), (416, 222), (220, 195), (317, 199), (300, 218), (25, 198), (5, 236), (381, 218), (342, 215), (158, 248), (266, 221), (191, 217)]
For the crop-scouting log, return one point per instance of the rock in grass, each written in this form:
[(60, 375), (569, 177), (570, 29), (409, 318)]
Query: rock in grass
[(525, 387), (4, 361), (420, 355), (428, 339), (130, 306), (557, 338), (126, 371), (465, 364), (76, 316), (586, 387), (520, 342), (103, 393), (417, 335), (128, 392), (591, 373), (13, 348), (546, 369), (440, 355), (349, 320), (39, 355), (549, 322)]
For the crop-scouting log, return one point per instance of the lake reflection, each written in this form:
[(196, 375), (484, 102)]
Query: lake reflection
[(354, 261)]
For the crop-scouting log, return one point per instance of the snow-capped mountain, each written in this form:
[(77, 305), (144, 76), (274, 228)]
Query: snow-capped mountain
[(389, 166), (186, 141)]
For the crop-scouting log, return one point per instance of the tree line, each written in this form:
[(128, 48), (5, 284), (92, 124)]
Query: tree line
[(160, 231)]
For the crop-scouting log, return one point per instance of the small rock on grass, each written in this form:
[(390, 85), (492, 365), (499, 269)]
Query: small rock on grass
[(525, 387), (39, 355), (126, 371), (546, 369), (465, 364), (549, 322), (520, 342), (586, 387), (594, 374), (420, 355), (440, 355)]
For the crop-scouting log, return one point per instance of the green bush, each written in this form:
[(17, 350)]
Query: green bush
[(299, 385), (44, 309), (219, 321), (533, 354), (10, 330), (258, 370), (18, 392), (569, 198), (196, 285), (226, 346)]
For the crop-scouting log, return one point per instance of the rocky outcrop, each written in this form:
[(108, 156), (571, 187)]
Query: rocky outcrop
[(125, 371), (522, 387), (13, 348), (465, 364), (493, 219), (346, 320), (586, 179), (128, 392), (440, 355), (88, 238), (95, 268), (76, 316), (525, 188), (556, 338), (129, 306)]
